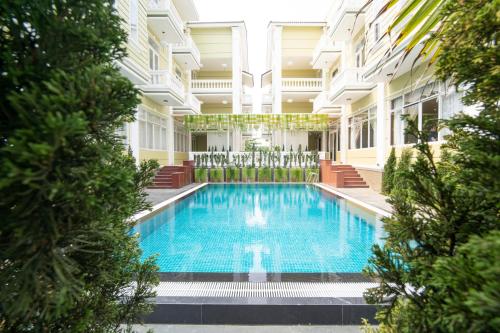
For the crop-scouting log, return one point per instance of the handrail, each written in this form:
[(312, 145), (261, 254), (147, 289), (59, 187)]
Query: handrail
[(301, 83), (164, 77), (189, 43), (211, 84)]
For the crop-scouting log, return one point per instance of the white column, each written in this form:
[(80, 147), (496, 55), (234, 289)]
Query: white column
[(190, 142), (324, 79), (237, 68), (276, 69), (381, 125), (344, 133), (133, 137), (324, 140)]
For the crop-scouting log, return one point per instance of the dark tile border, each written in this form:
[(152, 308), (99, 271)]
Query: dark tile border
[(256, 311), (263, 277)]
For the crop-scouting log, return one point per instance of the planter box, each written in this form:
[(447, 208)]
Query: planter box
[(216, 175), (281, 175), (232, 175), (201, 175), (265, 175), (248, 175), (296, 175)]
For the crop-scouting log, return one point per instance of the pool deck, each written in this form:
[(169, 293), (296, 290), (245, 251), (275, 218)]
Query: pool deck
[(156, 196), (244, 329)]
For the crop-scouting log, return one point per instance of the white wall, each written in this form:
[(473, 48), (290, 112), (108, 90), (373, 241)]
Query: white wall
[(295, 138), (217, 139)]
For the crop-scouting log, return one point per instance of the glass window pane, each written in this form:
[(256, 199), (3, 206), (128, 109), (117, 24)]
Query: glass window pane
[(373, 132), (392, 129), (430, 111), (364, 135), (157, 137), (150, 135)]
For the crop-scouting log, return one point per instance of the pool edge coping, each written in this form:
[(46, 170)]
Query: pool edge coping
[(358, 202), (141, 216)]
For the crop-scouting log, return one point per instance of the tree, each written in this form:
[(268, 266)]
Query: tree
[(447, 209), (388, 176), (68, 188)]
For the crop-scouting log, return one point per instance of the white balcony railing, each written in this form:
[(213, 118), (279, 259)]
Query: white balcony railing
[(164, 78), (189, 45), (301, 84), (166, 6), (212, 85)]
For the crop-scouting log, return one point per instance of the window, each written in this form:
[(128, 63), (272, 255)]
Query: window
[(360, 54), (426, 106), (154, 57), (152, 130), (181, 138), (362, 130), (134, 20), (122, 133), (376, 31)]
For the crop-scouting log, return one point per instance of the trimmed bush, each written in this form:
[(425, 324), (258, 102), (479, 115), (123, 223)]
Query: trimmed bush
[(248, 175), (200, 175), (265, 174), (216, 175), (280, 175), (389, 170), (232, 174), (296, 175)]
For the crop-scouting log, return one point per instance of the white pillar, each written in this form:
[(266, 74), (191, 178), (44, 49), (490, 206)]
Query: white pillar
[(381, 125), (133, 137), (170, 136), (237, 69), (276, 69), (344, 133), (324, 79), (324, 140)]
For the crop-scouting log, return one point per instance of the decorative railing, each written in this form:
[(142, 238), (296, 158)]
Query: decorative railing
[(190, 45), (166, 6), (212, 84), (165, 78), (302, 84), (257, 159)]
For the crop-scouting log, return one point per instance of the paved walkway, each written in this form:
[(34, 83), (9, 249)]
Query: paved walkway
[(157, 195), (245, 329), (366, 195)]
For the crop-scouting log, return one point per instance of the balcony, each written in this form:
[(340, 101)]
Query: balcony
[(301, 85), (191, 106), (267, 99), (212, 86), (321, 104), (348, 86), (325, 53), (164, 88), (346, 20), (165, 21), (187, 54)]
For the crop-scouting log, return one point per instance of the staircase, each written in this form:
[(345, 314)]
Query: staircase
[(173, 177), (341, 175)]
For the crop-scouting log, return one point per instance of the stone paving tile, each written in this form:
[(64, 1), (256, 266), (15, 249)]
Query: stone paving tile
[(155, 196), (366, 195)]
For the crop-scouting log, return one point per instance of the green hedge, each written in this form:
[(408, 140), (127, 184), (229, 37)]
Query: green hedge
[(216, 175), (232, 175), (248, 175), (265, 174), (296, 175), (280, 175), (201, 175)]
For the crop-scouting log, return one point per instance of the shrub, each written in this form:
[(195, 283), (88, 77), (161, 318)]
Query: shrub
[(67, 188), (232, 174), (216, 175), (248, 174), (280, 175), (296, 175), (389, 170), (201, 175), (265, 174)]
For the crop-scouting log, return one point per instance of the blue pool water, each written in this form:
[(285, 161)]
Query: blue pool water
[(261, 228)]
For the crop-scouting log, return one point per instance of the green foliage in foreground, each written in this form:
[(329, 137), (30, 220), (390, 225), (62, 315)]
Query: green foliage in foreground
[(439, 266), (216, 175), (388, 176), (67, 189), (265, 174), (201, 175), (248, 174), (296, 175)]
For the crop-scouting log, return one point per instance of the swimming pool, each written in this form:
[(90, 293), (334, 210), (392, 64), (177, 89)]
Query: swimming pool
[(261, 228)]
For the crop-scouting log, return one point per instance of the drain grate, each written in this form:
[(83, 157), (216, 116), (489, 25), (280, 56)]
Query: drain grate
[(263, 290)]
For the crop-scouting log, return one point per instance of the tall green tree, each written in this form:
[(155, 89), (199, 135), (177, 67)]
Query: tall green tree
[(435, 269), (389, 169), (67, 188)]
